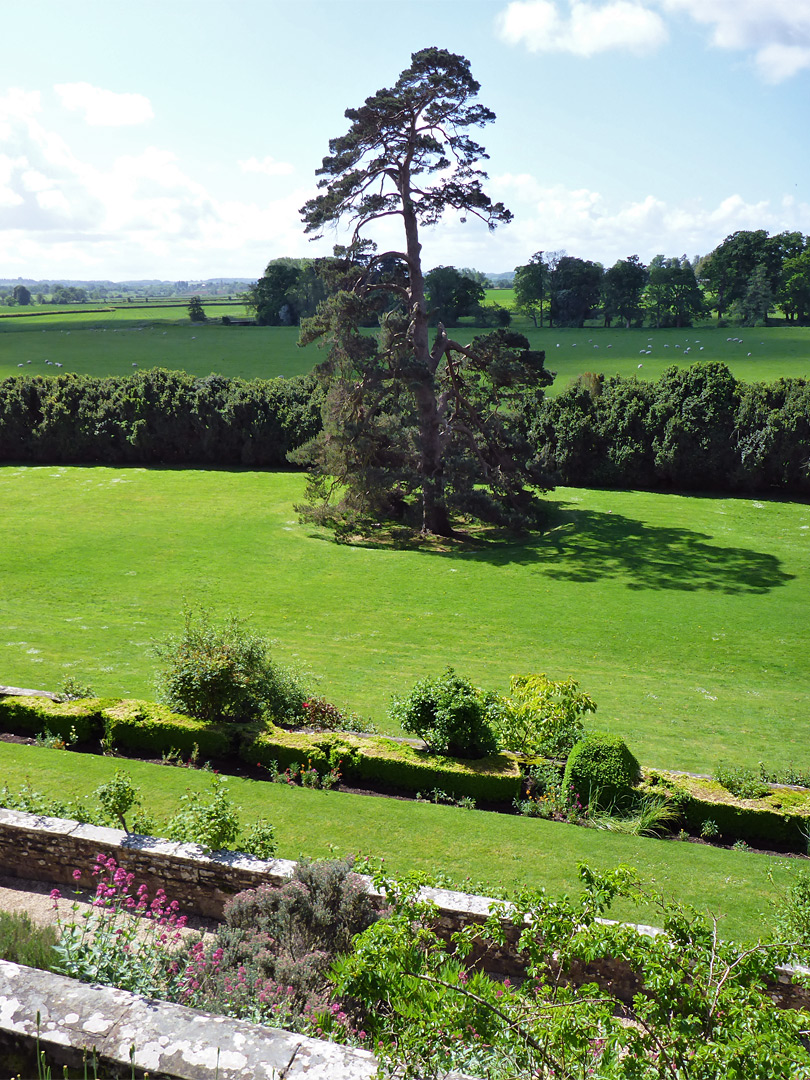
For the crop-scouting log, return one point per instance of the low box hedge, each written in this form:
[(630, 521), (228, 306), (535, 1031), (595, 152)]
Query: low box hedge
[(147, 726), (377, 760), (781, 818), (37, 715)]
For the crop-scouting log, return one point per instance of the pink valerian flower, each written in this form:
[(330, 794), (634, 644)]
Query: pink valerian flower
[(56, 896), (77, 875)]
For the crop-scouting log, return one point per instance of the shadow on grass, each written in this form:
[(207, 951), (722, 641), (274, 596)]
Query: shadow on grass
[(589, 545)]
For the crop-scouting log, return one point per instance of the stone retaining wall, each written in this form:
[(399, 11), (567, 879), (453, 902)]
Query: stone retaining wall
[(49, 849)]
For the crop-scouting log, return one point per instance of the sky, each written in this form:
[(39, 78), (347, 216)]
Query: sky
[(178, 139)]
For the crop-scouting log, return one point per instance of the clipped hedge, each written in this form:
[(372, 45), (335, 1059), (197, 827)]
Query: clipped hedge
[(147, 726), (377, 760), (757, 821), (601, 767), (37, 715)]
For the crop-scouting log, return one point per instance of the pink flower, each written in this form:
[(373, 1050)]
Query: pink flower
[(76, 875)]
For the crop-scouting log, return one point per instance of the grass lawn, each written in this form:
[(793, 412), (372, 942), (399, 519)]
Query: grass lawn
[(475, 849), (684, 617), (109, 343)]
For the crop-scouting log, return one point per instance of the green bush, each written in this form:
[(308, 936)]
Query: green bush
[(601, 768), (148, 727), (224, 672), (34, 715), (541, 717), (211, 822), (450, 715)]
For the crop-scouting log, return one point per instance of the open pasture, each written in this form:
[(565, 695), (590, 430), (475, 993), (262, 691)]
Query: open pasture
[(116, 342), (684, 617), (475, 851), (111, 343)]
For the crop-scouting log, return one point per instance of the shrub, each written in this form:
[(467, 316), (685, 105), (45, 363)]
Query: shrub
[(542, 717), (742, 783), (224, 672), (21, 942), (601, 768), (211, 823), (117, 797), (69, 720), (450, 715)]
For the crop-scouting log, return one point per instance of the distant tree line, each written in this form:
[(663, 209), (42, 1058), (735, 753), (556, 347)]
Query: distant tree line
[(694, 429), (156, 417), (744, 278)]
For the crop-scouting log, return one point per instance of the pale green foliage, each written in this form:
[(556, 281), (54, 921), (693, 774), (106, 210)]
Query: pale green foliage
[(542, 717), (701, 1011), (260, 840)]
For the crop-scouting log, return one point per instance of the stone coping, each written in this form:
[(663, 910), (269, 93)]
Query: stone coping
[(170, 1040)]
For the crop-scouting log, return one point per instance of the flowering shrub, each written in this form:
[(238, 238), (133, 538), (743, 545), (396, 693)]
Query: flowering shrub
[(125, 939)]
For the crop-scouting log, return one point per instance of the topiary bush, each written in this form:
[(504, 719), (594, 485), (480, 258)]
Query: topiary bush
[(450, 715), (601, 768)]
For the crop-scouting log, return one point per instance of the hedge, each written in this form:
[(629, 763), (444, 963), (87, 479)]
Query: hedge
[(494, 779), (146, 726), (755, 820), (40, 715)]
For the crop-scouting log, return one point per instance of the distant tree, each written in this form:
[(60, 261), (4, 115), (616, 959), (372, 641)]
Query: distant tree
[(410, 427), (672, 296), (530, 284), (728, 268), (22, 295), (794, 287), (753, 308), (289, 290), (476, 275), (573, 290), (450, 295), (195, 310), (622, 288)]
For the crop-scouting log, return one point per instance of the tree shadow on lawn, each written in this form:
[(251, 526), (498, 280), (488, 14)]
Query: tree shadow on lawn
[(588, 545)]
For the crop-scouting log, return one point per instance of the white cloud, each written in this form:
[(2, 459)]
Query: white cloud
[(587, 29), (104, 108), (776, 31), (267, 165), (586, 224)]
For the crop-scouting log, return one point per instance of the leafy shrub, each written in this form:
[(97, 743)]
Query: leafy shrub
[(211, 823), (601, 768), (542, 717), (79, 720), (742, 783), (260, 840), (117, 797), (73, 690), (450, 715), (21, 942), (322, 715), (224, 672)]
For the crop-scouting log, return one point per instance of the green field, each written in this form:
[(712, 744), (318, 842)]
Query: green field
[(684, 617), (473, 849), (109, 343)]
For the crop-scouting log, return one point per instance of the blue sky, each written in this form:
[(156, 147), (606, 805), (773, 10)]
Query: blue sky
[(178, 139)]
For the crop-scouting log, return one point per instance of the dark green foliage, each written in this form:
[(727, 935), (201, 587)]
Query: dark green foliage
[(450, 715), (195, 310), (696, 428), (156, 417), (21, 942), (34, 715), (146, 727), (225, 672), (601, 768)]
